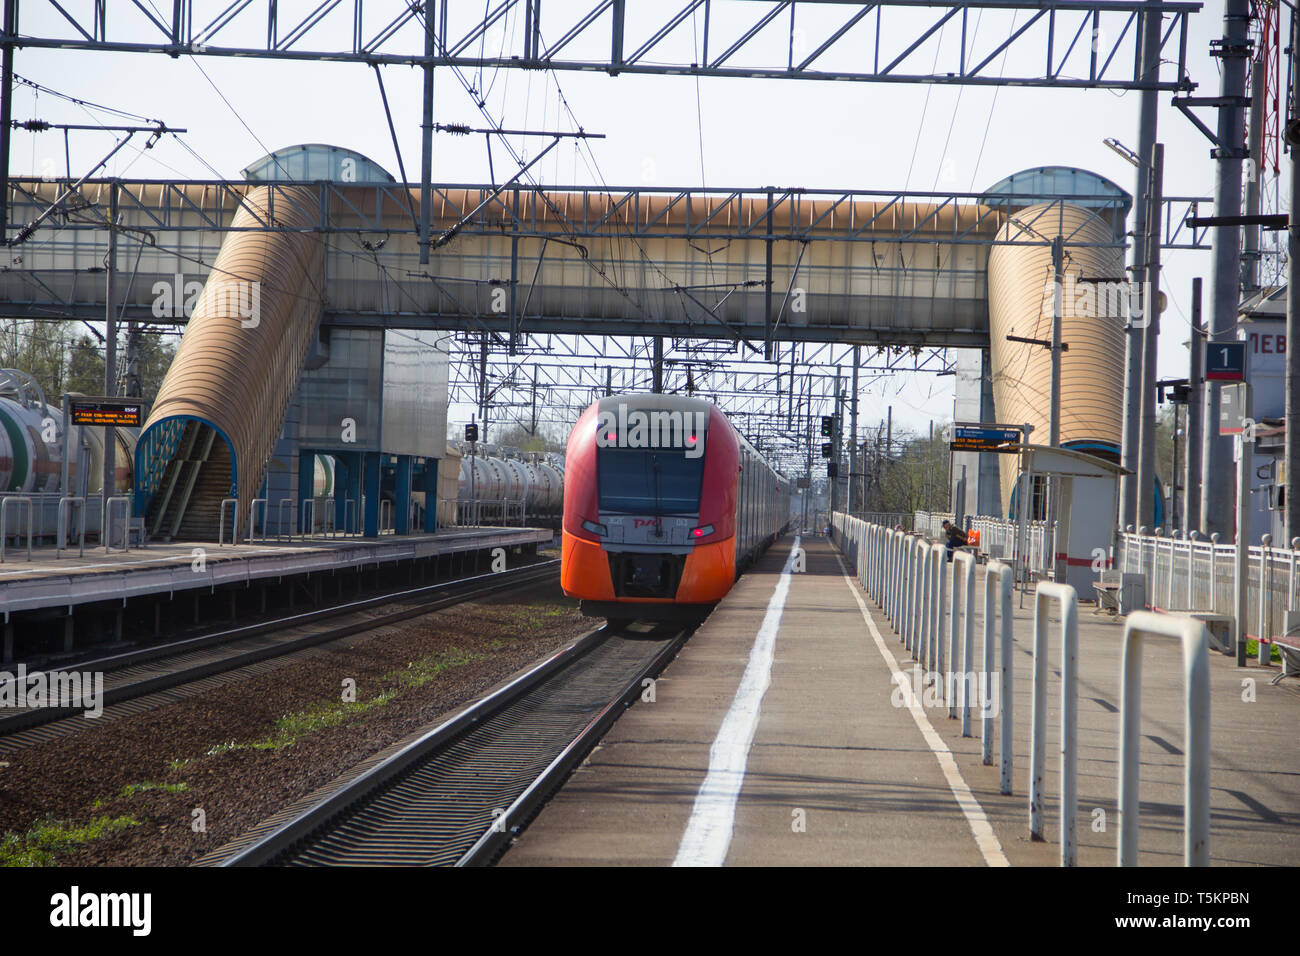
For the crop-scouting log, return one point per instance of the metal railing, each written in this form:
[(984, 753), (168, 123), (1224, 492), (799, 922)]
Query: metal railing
[(234, 523), (1066, 600), (887, 519), (252, 518), (998, 582), (905, 574), (1198, 576), (1196, 769), (962, 621), (478, 512), (22, 501), (106, 528), (67, 505), (49, 518)]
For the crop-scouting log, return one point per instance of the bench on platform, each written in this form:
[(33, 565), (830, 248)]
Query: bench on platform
[(1107, 589), (1218, 626)]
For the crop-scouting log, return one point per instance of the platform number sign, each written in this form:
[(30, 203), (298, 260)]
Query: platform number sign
[(1225, 361), (471, 432)]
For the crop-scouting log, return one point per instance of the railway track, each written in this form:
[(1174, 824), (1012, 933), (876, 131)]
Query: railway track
[(457, 794), (140, 680)]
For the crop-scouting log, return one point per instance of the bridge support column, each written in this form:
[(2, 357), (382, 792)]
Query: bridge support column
[(431, 494), (306, 487), (370, 470), (347, 487), (402, 496)]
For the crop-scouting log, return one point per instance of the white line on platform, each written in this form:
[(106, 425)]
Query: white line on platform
[(985, 838), (708, 833)]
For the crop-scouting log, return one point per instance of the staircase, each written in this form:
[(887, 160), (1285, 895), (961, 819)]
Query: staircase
[(187, 506)]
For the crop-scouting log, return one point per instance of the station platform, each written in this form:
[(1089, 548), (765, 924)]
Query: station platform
[(163, 568), (821, 761)]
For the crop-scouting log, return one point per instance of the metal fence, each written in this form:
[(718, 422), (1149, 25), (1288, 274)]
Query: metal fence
[(901, 520), (1029, 548), (906, 575), (1195, 574), (31, 520)]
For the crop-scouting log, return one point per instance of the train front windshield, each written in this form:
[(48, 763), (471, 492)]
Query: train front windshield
[(648, 481)]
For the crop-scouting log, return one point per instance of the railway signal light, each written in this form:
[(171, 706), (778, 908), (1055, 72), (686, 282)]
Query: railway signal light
[(471, 431), (832, 470), (826, 450), (828, 426)]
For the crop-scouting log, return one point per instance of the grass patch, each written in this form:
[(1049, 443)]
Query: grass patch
[(48, 838), (535, 616), (131, 789), (1252, 651), (322, 715)]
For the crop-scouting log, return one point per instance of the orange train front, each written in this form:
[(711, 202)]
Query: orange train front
[(664, 504)]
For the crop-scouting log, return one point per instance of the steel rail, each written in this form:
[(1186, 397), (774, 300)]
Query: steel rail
[(489, 829)]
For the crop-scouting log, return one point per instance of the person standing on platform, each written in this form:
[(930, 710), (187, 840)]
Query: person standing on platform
[(956, 538)]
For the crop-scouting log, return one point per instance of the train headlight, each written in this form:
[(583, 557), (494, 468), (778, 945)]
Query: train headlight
[(703, 531), (594, 528)]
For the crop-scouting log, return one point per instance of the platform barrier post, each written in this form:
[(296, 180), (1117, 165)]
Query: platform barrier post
[(1196, 714), (864, 546), (279, 519), (887, 577), (904, 595), (1264, 649), (999, 580), (252, 518), (307, 517), (873, 556), (896, 585), (961, 621), (1064, 597), (887, 590), (923, 606), (106, 529), (920, 565), (938, 594), (4, 522), (72, 502), (234, 525)]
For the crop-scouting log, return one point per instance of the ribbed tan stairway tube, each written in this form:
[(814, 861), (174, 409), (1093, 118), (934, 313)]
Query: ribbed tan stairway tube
[(1020, 303), (237, 372)]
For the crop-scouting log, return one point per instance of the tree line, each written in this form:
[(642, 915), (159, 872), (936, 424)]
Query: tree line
[(67, 356)]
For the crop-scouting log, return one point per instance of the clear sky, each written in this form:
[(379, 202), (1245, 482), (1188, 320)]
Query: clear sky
[(660, 130)]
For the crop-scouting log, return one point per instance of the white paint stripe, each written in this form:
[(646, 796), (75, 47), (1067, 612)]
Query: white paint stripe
[(985, 838), (708, 833)]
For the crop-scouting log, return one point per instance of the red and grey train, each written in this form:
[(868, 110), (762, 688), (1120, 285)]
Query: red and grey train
[(665, 503)]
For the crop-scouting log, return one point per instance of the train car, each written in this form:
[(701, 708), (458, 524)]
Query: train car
[(665, 503)]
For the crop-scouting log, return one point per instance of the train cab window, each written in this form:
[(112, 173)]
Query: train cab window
[(648, 481)]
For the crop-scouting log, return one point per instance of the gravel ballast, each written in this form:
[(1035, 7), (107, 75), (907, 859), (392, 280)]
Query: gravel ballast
[(167, 786)]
